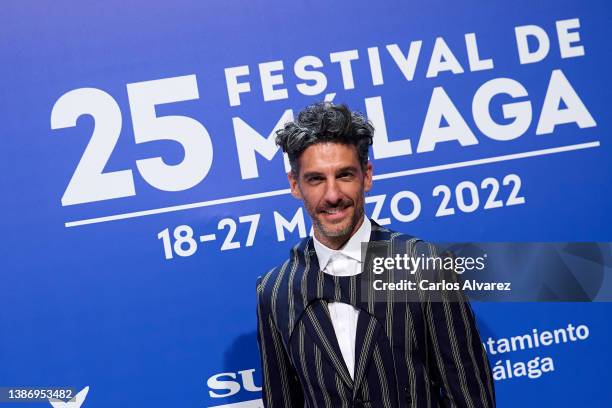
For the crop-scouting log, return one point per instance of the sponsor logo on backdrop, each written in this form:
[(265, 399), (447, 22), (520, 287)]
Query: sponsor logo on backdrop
[(506, 366), (229, 384)]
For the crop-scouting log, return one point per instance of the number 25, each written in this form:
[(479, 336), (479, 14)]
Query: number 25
[(90, 183)]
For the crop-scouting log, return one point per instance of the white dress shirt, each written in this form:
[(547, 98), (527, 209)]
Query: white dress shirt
[(345, 261)]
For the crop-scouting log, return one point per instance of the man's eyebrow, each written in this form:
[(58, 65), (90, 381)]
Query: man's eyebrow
[(320, 174), (347, 168), (312, 174)]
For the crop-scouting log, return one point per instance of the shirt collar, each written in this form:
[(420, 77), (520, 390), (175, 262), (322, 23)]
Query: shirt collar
[(351, 249)]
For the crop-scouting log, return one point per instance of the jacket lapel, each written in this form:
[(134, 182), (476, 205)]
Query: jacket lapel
[(315, 315), (368, 326), (368, 330), (319, 327)]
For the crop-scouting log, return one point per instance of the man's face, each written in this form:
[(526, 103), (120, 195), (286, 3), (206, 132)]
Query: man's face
[(332, 184)]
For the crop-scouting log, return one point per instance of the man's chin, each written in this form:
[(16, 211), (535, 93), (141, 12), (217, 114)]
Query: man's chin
[(335, 230)]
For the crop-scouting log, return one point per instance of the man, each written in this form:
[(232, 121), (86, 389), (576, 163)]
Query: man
[(323, 341)]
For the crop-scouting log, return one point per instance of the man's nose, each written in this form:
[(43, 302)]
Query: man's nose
[(332, 192)]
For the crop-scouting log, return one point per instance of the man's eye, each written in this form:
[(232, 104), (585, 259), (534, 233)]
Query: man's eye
[(345, 175)]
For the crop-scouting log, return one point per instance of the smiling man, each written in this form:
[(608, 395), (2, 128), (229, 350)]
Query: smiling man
[(323, 341), (332, 184)]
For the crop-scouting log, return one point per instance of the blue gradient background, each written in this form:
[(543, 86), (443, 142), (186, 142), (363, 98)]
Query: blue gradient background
[(98, 305)]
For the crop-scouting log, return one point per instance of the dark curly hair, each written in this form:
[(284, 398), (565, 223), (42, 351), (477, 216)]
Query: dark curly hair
[(325, 122)]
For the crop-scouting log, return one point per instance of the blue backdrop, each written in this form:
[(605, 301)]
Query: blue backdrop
[(142, 195)]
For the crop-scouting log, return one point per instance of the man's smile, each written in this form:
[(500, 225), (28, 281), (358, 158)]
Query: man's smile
[(336, 213)]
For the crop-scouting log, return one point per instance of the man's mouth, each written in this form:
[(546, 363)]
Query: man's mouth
[(336, 213)]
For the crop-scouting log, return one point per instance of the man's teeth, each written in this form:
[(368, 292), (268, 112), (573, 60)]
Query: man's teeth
[(333, 211)]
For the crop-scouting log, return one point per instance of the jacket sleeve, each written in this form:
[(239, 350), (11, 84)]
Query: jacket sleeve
[(281, 387), (459, 365)]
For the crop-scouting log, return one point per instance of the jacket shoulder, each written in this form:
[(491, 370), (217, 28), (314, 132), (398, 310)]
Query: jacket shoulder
[(400, 242), (274, 283), (267, 281), (380, 233)]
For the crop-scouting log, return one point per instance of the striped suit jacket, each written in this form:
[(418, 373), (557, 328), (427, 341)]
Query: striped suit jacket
[(407, 354)]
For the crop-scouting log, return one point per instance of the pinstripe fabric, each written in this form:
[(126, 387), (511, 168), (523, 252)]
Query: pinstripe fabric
[(407, 354)]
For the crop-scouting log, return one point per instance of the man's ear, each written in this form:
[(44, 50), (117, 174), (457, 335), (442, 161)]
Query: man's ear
[(367, 180), (293, 183)]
